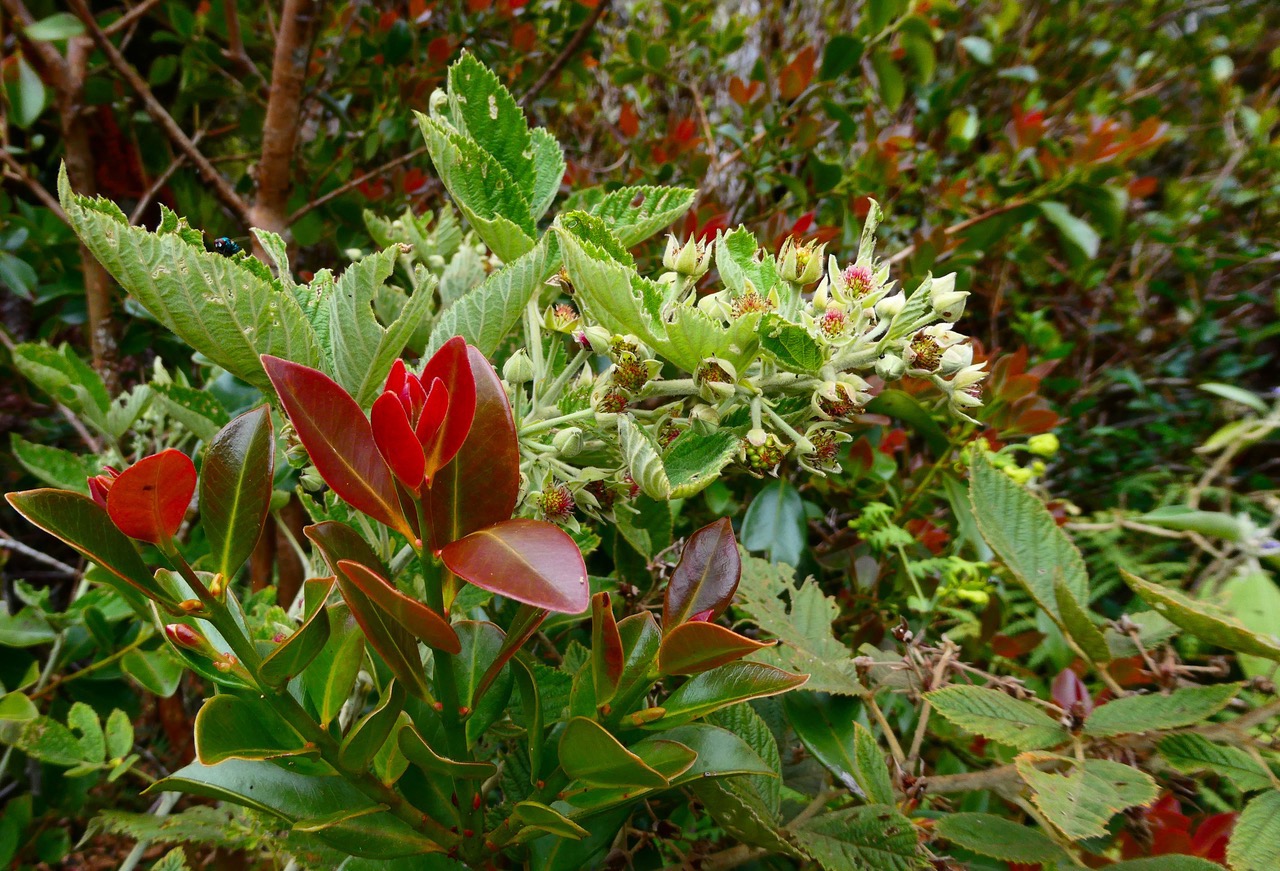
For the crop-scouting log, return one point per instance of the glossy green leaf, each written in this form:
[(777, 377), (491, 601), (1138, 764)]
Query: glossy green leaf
[(157, 671), (482, 645), (480, 486), (297, 651), (1182, 707), (296, 797), (27, 628), (531, 707), (328, 683), (338, 439), (1025, 536), (867, 838), (641, 642), (530, 561), (698, 646), (235, 488), (590, 754), (997, 715), (723, 686), (426, 625), (419, 752), (1203, 620), (1255, 840), (1215, 524), (86, 527), (706, 577), (775, 523), (538, 816), (234, 727), (1000, 838), (826, 726), (372, 730), (397, 647)]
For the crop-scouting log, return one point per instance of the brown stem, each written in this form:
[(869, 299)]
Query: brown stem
[(566, 54), (19, 172), (961, 226), (280, 127), (124, 21), (222, 189)]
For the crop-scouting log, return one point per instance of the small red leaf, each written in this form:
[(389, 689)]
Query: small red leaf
[(707, 576), (695, 647), (338, 439), (426, 625), (481, 485), (1070, 694), (150, 498), (452, 365), (606, 648), (396, 441), (530, 561)]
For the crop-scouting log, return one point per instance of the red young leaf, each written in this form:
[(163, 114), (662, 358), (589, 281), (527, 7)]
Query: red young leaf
[(1070, 694), (693, 647), (426, 625), (706, 577), (150, 498), (398, 649), (530, 561), (452, 365), (339, 440), (396, 440), (480, 486), (606, 648)]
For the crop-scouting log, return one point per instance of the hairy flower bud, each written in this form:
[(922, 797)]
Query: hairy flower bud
[(891, 306), (1045, 444), (800, 264), (518, 369), (955, 358), (891, 367), (693, 259), (568, 441)]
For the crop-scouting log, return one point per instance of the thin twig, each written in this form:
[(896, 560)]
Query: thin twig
[(174, 165), (19, 172), (566, 54), (962, 226), (12, 544), (356, 182), (130, 17), (221, 187)]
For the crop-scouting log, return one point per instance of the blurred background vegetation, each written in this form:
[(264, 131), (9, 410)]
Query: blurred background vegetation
[(1104, 177)]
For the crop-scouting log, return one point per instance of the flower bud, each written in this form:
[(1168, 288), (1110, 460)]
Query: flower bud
[(692, 260), (185, 636), (891, 306), (955, 358), (949, 306), (1018, 474), (1045, 444), (891, 367), (707, 414), (310, 479), (595, 339), (568, 441), (800, 264), (518, 369)]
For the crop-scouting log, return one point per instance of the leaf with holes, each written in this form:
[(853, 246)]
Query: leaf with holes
[(1203, 620), (867, 838)]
